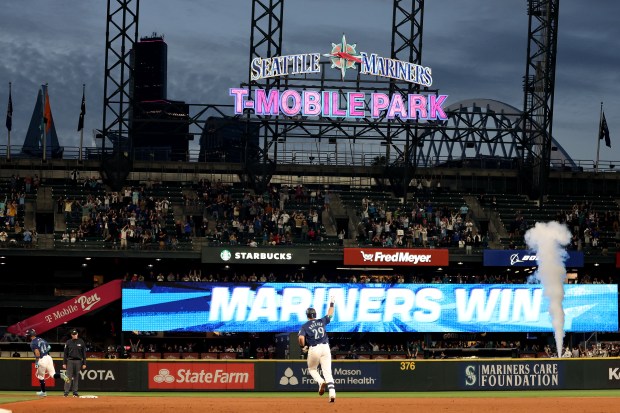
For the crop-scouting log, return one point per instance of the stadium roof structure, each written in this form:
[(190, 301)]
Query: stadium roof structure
[(480, 128)]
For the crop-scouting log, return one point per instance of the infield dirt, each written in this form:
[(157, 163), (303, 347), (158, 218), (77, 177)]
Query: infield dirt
[(108, 404)]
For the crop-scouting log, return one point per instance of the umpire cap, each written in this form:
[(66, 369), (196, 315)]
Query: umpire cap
[(311, 313), (31, 333)]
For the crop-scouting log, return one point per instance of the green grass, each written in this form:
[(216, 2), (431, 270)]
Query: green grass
[(18, 396)]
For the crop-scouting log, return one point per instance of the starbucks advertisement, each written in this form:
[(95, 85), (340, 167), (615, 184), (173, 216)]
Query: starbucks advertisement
[(249, 255)]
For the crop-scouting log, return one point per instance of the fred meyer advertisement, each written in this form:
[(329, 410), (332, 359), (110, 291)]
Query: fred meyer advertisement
[(201, 376), (396, 256)]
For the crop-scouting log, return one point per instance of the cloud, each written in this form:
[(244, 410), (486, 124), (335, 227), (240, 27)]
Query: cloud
[(476, 49)]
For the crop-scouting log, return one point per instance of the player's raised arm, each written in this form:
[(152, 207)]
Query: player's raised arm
[(330, 311)]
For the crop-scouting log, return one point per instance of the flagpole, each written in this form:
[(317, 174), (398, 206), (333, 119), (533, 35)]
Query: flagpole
[(8, 142), (598, 140), (82, 130), (44, 121)]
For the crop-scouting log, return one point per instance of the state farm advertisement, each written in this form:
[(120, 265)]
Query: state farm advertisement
[(201, 376), (392, 257)]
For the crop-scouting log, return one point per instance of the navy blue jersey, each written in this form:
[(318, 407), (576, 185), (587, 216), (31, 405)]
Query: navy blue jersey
[(314, 331), (42, 345)]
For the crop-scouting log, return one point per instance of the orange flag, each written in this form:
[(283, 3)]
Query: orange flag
[(47, 114)]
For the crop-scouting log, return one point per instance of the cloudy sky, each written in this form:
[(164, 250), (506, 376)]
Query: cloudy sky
[(476, 48)]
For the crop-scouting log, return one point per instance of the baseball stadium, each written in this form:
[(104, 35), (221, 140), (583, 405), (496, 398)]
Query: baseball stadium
[(460, 257)]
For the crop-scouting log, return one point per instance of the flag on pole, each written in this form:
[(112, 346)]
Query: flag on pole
[(47, 113), (9, 113), (82, 113), (603, 132)]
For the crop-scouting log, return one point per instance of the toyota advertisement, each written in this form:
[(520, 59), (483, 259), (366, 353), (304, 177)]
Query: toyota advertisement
[(525, 258), (99, 375), (280, 307), (393, 257)]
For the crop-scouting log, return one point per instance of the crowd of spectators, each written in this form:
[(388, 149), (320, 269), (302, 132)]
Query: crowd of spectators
[(129, 218), (423, 223), (136, 217), (594, 226), (13, 195), (431, 276), (281, 215)]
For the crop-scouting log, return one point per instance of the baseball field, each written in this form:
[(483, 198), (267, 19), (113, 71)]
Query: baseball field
[(591, 401)]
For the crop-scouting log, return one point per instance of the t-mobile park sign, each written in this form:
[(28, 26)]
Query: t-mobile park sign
[(396, 256), (332, 103)]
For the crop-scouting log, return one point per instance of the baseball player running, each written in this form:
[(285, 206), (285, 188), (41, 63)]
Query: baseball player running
[(313, 339), (43, 361)]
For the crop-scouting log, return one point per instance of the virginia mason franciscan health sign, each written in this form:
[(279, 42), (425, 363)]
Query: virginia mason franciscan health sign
[(328, 103)]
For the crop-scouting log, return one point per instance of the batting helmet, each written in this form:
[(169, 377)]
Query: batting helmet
[(31, 333), (311, 313)]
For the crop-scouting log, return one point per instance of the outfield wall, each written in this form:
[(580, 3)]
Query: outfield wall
[(350, 375)]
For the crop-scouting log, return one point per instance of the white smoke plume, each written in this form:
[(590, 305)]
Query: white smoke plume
[(548, 240)]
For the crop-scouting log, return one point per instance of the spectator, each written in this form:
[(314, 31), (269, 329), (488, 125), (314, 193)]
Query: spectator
[(27, 238)]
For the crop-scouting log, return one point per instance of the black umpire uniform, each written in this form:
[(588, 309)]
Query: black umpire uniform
[(73, 361)]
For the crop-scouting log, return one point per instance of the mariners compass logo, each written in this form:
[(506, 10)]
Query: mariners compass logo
[(344, 56)]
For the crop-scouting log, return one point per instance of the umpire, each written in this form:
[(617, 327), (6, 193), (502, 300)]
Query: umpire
[(74, 359)]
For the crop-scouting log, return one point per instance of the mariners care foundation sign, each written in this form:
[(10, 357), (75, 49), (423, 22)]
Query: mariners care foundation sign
[(332, 103)]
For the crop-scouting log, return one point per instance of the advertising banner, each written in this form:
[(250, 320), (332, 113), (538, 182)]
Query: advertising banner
[(493, 375), (294, 376), (249, 255), (524, 258), (201, 376), (98, 375), (349, 375), (70, 309), (393, 257), (280, 307)]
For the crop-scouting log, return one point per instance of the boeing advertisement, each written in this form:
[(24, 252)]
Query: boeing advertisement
[(525, 258), (279, 307)]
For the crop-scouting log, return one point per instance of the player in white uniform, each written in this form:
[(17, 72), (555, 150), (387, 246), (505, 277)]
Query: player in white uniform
[(44, 362), (313, 339)]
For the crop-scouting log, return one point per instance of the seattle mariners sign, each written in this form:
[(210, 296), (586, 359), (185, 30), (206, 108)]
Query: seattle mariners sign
[(327, 103), (247, 255)]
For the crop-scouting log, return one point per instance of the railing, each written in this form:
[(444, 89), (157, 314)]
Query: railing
[(359, 154)]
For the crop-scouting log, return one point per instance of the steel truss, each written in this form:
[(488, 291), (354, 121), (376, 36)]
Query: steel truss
[(121, 35), (395, 135), (539, 86), (402, 146)]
